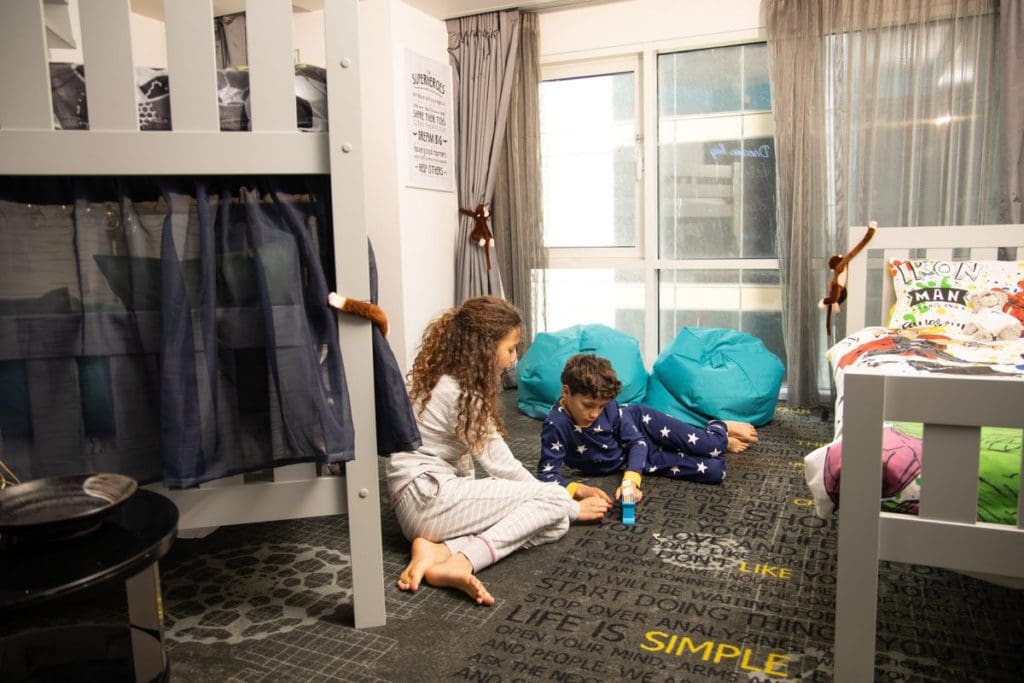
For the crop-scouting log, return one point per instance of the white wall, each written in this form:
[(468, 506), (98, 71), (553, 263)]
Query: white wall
[(412, 229), (631, 25), (308, 37), (149, 41)]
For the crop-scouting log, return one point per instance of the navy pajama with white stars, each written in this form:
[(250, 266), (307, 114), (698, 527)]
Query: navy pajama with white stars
[(635, 438)]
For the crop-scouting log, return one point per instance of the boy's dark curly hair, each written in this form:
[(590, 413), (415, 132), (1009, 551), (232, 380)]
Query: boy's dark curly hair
[(462, 343), (591, 375)]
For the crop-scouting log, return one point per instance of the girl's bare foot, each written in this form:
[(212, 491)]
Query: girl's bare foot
[(744, 431), (425, 554), (736, 445), (457, 572)]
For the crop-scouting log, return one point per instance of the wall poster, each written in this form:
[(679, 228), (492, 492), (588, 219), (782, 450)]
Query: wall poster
[(428, 87)]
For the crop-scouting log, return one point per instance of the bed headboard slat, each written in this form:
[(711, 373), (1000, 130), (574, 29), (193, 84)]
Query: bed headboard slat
[(109, 65), (192, 66), (23, 68), (271, 65)]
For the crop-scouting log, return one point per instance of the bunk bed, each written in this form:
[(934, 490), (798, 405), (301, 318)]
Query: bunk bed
[(955, 401), (114, 145)]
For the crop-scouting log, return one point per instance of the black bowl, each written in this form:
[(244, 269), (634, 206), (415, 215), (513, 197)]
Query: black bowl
[(61, 507)]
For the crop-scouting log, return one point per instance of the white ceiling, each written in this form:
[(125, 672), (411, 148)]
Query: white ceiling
[(155, 8), (442, 9), (448, 9)]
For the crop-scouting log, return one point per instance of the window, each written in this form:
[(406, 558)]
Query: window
[(703, 253), (589, 162), (716, 194), (590, 156)]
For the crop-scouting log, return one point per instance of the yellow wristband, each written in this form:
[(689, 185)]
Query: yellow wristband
[(571, 488), (631, 476)]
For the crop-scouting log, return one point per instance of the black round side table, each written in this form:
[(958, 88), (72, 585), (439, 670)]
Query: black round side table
[(127, 545)]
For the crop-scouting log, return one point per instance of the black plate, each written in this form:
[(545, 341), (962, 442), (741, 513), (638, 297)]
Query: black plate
[(58, 507)]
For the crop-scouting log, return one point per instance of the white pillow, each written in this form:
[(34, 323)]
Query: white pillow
[(952, 294)]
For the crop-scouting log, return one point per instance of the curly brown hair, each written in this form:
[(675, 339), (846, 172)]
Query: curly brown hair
[(591, 375), (462, 343)]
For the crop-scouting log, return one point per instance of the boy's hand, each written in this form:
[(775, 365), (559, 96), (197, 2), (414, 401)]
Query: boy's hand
[(584, 491), (593, 507), (638, 494)]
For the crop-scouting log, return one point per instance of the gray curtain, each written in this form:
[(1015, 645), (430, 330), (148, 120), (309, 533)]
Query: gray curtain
[(798, 105), (1011, 36), (884, 110), (516, 214), (482, 50)]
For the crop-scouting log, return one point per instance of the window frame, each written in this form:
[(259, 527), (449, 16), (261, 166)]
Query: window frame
[(566, 257), (645, 254)]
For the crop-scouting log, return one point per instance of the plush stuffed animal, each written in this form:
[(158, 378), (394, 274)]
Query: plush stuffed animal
[(1015, 302), (481, 233), (989, 320), (837, 285), (365, 309)]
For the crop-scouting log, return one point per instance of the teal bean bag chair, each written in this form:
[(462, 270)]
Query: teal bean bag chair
[(708, 373), (539, 371)]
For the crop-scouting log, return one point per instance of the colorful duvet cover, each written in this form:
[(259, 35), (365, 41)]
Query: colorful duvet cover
[(919, 351)]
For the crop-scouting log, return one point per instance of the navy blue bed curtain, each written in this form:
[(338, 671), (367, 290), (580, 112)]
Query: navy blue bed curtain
[(171, 329)]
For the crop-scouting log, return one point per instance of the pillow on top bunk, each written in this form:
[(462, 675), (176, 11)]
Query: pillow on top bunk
[(982, 299)]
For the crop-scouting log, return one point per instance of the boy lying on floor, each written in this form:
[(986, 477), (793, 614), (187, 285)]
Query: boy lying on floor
[(588, 430)]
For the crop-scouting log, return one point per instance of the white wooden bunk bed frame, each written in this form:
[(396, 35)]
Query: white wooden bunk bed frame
[(946, 532), (114, 145)]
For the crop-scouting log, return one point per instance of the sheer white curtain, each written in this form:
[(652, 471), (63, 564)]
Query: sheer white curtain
[(884, 110)]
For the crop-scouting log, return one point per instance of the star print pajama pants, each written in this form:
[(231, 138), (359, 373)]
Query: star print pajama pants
[(673, 455), (484, 519)]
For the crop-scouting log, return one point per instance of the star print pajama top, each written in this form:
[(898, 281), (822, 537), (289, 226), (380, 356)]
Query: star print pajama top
[(633, 438)]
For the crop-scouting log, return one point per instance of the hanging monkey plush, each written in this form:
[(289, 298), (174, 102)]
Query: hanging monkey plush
[(837, 285), (481, 233), (365, 309)]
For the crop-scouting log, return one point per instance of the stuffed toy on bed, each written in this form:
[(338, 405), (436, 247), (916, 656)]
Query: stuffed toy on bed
[(837, 285), (989, 321)]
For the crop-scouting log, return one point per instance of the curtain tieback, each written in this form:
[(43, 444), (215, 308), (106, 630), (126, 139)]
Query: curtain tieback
[(481, 233)]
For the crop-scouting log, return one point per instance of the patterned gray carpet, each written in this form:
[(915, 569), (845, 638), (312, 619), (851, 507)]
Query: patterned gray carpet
[(714, 583)]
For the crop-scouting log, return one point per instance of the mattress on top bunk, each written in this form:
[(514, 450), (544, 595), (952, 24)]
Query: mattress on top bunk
[(70, 105)]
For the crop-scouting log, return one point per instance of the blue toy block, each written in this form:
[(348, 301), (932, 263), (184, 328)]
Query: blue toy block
[(629, 514), (628, 504)]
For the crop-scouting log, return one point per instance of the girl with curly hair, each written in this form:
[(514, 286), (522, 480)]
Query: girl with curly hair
[(459, 524)]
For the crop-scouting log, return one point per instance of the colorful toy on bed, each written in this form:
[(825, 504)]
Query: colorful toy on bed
[(539, 371), (712, 373), (837, 284)]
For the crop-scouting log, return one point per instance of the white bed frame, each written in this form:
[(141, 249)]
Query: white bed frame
[(946, 532), (114, 145)]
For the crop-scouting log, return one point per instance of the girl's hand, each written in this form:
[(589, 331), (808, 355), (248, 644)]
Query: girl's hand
[(584, 491), (593, 507), (638, 494)]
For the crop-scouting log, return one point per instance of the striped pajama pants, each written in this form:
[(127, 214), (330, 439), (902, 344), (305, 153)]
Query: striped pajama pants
[(484, 519)]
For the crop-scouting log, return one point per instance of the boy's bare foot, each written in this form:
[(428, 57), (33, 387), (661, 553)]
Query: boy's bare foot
[(736, 445), (457, 572), (425, 554), (744, 431)]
